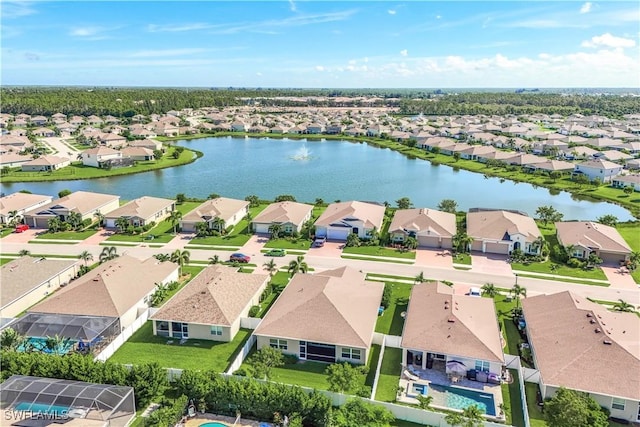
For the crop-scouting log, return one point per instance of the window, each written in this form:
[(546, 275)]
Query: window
[(162, 328), (482, 365), (216, 330), (617, 404), (351, 353), (279, 344)]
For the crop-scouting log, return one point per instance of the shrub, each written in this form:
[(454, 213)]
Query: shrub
[(386, 295), (575, 263), (254, 310), (240, 373), (290, 359)]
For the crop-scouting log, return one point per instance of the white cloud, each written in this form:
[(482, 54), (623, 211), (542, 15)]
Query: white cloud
[(16, 9), (90, 33), (166, 52), (319, 68), (258, 74), (171, 28), (391, 12), (608, 40), (292, 6), (438, 16), (586, 8), (404, 52)]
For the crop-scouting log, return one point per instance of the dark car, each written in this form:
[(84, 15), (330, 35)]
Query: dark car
[(276, 252), (239, 257)]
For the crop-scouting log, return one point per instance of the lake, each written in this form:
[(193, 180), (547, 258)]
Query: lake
[(331, 170)]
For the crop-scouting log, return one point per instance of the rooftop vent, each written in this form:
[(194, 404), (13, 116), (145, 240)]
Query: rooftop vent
[(607, 342), (592, 321), (589, 315), (598, 330), (451, 320)]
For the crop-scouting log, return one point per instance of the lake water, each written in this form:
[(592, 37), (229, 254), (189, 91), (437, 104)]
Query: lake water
[(331, 170)]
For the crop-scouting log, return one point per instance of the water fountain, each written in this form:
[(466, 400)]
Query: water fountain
[(303, 153)]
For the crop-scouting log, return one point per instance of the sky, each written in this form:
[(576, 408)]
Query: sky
[(322, 44)]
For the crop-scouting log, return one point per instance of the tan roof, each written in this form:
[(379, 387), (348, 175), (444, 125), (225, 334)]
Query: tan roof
[(321, 308), (216, 296), (591, 235), (284, 212), (137, 151), (221, 207), (441, 322), (599, 164), (100, 151), (25, 273), (14, 158), (581, 345), (424, 222), (109, 290), (20, 201), (555, 165), (142, 207), (370, 214), (82, 202), (46, 161), (498, 225)]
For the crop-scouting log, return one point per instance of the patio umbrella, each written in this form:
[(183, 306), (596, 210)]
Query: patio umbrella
[(455, 367)]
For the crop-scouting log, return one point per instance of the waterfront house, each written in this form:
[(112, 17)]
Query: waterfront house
[(600, 169), (431, 228), (588, 237), (231, 211), (20, 203), (622, 181), (46, 163), (315, 317), (139, 154), (99, 157), (13, 160), (85, 203), (341, 219), (211, 305), (583, 346), (289, 215), (502, 231), (141, 211)]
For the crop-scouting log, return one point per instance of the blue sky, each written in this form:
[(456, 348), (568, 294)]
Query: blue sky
[(377, 44)]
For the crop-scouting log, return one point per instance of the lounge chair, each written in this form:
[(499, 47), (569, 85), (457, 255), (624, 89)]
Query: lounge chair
[(410, 376)]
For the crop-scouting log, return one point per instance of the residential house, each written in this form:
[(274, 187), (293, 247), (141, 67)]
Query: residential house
[(112, 140), (141, 211), (100, 156), (502, 231), (622, 181), (583, 346), (13, 160), (588, 237), (552, 166), (315, 317), (238, 126), (230, 210), (289, 215), (150, 144), (139, 154), (211, 305), (341, 219), (38, 120), (44, 132), (19, 204), (441, 327), (27, 280), (85, 203), (431, 228), (599, 169), (46, 163)]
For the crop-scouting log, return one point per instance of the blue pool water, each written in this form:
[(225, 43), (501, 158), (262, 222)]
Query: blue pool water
[(213, 424), (420, 389), (460, 398), (40, 344), (43, 408)]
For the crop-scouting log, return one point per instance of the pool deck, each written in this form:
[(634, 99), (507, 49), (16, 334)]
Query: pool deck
[(206, 417), (439, 377)]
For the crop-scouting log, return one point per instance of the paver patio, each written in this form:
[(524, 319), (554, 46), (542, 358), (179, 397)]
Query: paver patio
[(434, 258), (618, 279), (330, 249)]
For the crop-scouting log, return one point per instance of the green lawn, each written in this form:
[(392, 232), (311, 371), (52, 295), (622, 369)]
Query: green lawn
[(561, 270), (367, 258), (67, 235), (3, 261), (509, 330), (391, 321), (376, 276), (6, 231), (536, 417), (300, 244), (235, 240), (144, 347), (379, 251), (512, 401), (631, 233), (389, 378), (462, 259)]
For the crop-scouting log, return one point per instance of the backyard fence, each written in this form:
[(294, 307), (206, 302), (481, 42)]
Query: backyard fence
[(114, 345), (378, 367), (389, 340), (513, 362), (244, 352), (250, 322)]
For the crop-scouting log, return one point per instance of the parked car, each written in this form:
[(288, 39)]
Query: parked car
[(276, 252), (21, 227), (319, 242), (239, 257)]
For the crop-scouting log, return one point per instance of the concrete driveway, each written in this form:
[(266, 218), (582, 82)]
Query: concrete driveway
[(434, 258), (330, 249), (490, 263), (254, 245), (23, 237), (618, 278), (97, 238)]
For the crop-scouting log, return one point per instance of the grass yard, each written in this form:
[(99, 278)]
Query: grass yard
[(300, 244), (235, 240), (379, 251), (462, 259), (512, 399), (536, 418), (561, 270), (509, 330), (368, 258), (630, 231), (391, 321), (6, 231), (144, 347), (3, 261), (389, 375), (376, 276), (67, 235)]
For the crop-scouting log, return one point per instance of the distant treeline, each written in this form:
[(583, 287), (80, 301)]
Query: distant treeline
[(127, 102)]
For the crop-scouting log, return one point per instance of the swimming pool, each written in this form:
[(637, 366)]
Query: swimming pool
[(43, 408), (40, 344), (461, 398), (213, 424), (420, 389)]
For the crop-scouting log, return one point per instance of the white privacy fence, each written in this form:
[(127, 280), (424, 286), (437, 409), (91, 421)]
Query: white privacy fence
[(244, 352), (249, 322), (513, 362), (117, 342)]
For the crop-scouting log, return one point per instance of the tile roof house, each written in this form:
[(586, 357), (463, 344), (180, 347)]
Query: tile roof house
[(46, 163), (315, 318), (211, 305), (441, 327), (341, 219), (20, 203), (580, 345), (622, 181), (590, 237), (290, 215), (431, 228), (27, 280), (118, 288), (600, 169), (501, 231), (85, 203), (141, 211), (230, 210), (99, 156)]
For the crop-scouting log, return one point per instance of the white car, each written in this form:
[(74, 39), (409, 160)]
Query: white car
[(475, 292)]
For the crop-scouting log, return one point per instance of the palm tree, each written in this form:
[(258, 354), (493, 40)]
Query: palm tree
[(24, 252), (99, 217), (271, 267), (74, 220), (10, 339), (108, 254), (85, 256), (174, 218), (538, 244), (201, 228), (634, 260), (489, 289), (122, 223), (275, 230), (219, 224), (518, 291), (13, 217), (162, 257), (623, 306), (419, 278), (462, 242), (410, 243), (54, 225), (214, 259), (298, 265), (181, 258)]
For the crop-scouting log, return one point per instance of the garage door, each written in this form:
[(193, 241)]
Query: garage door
[(111, 223), (42, 223), (497, 248), (188, 226), (476, 245), (261, 228), (429, 241), (338, 233), (608, 258)]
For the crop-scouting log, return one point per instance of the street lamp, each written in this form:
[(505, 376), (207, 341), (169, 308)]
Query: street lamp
[(516, 278)]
